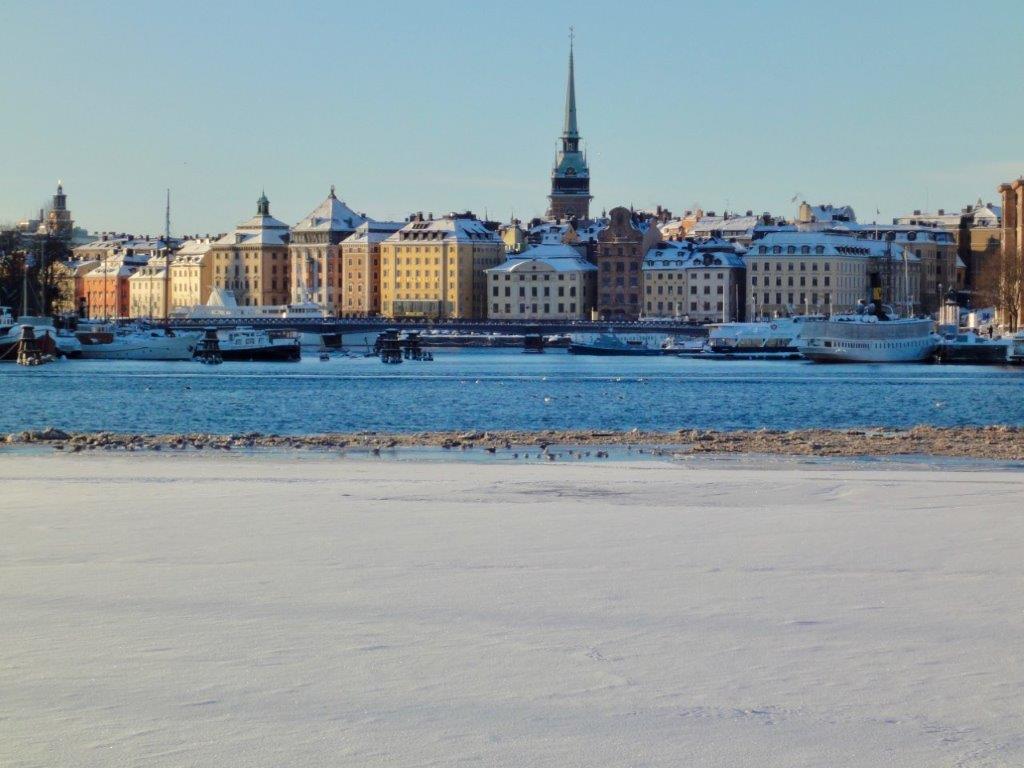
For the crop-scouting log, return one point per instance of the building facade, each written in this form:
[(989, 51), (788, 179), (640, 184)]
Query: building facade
[(1009, 282), (549, 281), (105, 290), (360, 255), (824, 272), (252, 261), (192, 274), (317, 272), (977, 231), (935, 250), (570, 178), (701, 281), (434, 268), (149, 290), (619, 256)]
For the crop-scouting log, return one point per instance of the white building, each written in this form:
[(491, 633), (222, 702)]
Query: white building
[(695, 280), (549, 281), (817, 272)]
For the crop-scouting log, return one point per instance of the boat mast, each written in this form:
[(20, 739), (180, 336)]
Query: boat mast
[(167, 260)]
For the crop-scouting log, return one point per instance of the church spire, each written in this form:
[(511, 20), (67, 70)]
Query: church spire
[(570, 129)]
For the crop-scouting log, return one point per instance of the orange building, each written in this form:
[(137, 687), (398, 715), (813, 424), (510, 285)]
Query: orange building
[(105, 289)]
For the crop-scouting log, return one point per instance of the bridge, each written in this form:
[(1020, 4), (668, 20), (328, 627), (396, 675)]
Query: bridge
[(376, 325)]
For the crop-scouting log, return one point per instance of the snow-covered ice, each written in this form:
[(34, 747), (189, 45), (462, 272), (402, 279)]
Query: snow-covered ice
[(241, 611)]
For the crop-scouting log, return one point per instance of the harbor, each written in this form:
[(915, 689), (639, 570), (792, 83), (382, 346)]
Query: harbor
[(503, 389)]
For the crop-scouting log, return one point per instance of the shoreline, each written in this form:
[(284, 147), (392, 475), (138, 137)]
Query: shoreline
[(994, 442)]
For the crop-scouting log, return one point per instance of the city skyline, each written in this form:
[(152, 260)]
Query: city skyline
[(890, 139)]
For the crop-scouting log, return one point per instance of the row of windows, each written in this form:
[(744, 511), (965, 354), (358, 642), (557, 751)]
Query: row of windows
[(534, 289), (671, 307), (803, 281), (790, 266), (534, 308), (790, 298)]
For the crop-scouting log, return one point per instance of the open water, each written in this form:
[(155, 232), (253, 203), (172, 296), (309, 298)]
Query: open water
[(502, 389)]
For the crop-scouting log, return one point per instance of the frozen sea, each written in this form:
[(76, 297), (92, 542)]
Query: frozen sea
[(251, 611), (479, 389)]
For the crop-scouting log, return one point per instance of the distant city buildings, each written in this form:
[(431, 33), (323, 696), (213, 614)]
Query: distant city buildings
[(623, 265)]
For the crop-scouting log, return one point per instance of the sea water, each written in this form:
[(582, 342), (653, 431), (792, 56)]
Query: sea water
[(501, 389)]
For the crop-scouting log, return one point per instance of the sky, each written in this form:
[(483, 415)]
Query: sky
[(886, 106)]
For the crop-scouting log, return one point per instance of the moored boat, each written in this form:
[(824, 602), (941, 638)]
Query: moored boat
[(59, 343), (110, 342), (250, 344), (868, 337), (765, 339), (609, 344), (969, 348)]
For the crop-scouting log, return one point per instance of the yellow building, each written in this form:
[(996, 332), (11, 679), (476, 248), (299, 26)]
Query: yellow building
[(435, 267), (149, 290), (360, 257), (252, 262), (192, 274)]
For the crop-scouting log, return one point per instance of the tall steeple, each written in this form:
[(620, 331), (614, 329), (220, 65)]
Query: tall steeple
[(570, 178), (570, 129), (263, 205)]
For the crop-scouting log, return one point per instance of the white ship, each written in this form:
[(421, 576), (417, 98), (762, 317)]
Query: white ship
[(868, 337), (109, 342), (223, 306), (765, 338)]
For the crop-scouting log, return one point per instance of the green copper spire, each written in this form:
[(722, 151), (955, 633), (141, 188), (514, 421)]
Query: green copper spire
[(570, 129)]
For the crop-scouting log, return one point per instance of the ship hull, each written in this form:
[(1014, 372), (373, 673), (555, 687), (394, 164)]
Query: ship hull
[(275, 353), (586, 349), (972, 354)]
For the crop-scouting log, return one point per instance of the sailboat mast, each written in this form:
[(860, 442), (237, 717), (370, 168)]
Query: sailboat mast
[(167, 259)]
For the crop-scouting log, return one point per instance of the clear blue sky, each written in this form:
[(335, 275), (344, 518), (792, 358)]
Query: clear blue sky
[(440, 106)]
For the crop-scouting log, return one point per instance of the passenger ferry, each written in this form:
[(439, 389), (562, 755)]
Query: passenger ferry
[(776, 338), (869, 336), (223, 306)]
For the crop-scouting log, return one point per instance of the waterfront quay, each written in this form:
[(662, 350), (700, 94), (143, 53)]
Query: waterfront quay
[(378, 324)]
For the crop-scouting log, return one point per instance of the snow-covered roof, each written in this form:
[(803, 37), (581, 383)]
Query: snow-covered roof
[(373, 232), (261, 229), (588, 230), (826, 213), (906, 233), (557, 257), (732, 226), (693, 254), (453, 227), (804, 243), (332, 215)]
